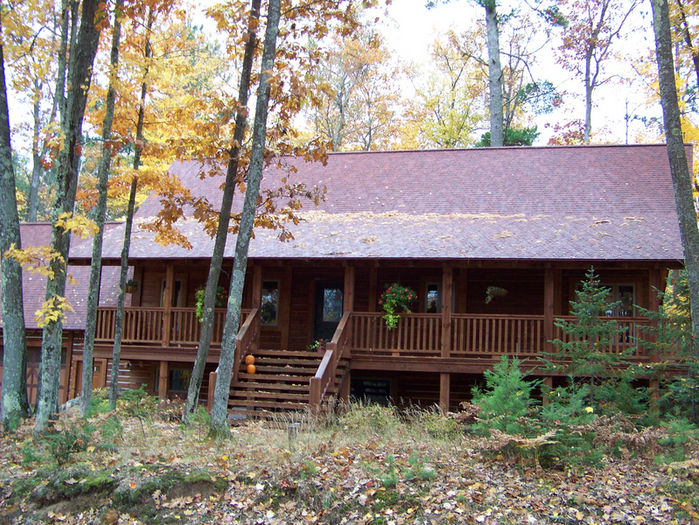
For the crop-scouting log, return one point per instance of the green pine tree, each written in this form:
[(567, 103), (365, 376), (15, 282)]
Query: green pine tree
[(585, 352)]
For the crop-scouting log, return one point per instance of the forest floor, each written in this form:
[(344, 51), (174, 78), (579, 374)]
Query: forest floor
[(367, 467)]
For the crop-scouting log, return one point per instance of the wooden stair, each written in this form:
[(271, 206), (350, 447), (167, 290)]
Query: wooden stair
[(280, 384)]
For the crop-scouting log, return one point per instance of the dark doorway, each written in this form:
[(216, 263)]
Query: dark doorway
[(328, 309)]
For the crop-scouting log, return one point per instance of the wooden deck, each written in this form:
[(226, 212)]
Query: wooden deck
[(364, 334), (443, 343)]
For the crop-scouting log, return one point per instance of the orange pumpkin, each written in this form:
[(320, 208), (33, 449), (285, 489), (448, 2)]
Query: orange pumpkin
[(249, 359), (251, 369)]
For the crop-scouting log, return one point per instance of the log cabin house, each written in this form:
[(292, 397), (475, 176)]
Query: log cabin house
[(453, 225)]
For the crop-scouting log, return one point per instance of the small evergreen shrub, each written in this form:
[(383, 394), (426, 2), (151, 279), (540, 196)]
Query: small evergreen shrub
[(506, 399)]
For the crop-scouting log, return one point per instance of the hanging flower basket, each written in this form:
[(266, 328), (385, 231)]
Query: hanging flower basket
[(130, 286), (394, 300)]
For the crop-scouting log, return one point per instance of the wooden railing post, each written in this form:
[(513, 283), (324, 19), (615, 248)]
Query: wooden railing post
[(213, 376), (246, 340), (314, 394), (167, 302), (548, 309)]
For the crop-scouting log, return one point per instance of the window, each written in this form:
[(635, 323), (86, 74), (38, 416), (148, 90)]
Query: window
[(269, 305), (179, 379), (433, 298), (332, 305), (623, 294), (177, 295)]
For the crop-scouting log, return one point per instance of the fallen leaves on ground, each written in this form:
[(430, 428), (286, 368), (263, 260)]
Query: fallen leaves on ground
[(329, 474)]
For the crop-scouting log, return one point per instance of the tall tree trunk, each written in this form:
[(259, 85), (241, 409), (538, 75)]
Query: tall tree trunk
[(219, 411), (102, 178), (588, 97), (119, 316), (681, 178), (37, 168), (684, 28), (82, 55), (224, 218), (14, 405), (497, 136)]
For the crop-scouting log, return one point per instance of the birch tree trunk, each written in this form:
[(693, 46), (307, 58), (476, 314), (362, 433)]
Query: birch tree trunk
[(219, 411), (102, 178), (497, 137), (224, 218), (119, 316), (14, 405), (681, 178), (82, 55)]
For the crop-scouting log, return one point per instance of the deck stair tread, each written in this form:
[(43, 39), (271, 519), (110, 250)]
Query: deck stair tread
[(279, 384)]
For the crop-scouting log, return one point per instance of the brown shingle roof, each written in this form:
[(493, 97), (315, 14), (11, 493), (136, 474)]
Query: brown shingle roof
[(34, 285), (582, 202)]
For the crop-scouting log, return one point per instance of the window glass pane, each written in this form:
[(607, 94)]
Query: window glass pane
[(179, 379), (433, 303), (270, 303), (332, 305)]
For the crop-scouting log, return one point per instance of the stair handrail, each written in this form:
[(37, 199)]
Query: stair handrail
[(246, 340), (337, 348)]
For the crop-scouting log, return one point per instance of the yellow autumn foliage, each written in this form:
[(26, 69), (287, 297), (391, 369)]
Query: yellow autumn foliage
[(52, 311), (35, 259)]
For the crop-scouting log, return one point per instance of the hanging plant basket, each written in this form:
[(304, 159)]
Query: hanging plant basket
[(394, 300), (130, 286)]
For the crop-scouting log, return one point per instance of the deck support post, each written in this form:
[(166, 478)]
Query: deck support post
[(162, 380), (447, 287), (548, 308), (167, 302), (348, 292), (373, 271), (285, 306), (444, 392), (256, 302), (345, 388), (210, 395), (654, 397), (548, 382)]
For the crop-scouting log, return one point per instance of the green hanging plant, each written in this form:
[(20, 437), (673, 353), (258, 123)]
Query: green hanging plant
[(221, 300), (396, 299)]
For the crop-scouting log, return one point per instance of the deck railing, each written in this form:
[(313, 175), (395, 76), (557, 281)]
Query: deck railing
[(415, 334), (476, 334), (472, 335), (339, 347), (145, 325), (629, 331)]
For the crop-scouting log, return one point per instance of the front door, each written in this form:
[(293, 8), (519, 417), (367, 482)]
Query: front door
[(328, 309)]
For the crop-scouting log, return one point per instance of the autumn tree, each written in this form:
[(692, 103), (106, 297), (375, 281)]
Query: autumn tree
[(82, 51), (355, 105), (587, 46), (219, 411), (197, 376), (14, 404), (450, 104), (681, 179), (103, 175), (35, 80)]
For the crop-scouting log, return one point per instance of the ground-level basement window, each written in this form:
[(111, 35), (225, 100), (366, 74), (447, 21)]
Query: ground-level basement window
[(270, 303), (371, 390), (178, 379)]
